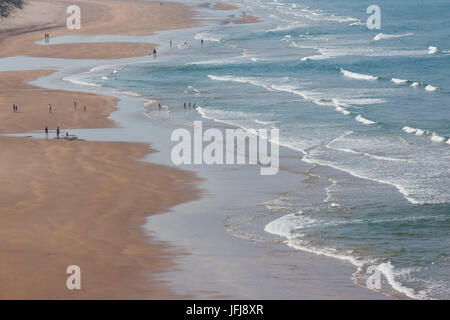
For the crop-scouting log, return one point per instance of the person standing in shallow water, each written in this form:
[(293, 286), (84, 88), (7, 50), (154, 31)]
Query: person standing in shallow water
[(57, 132), (46, 131)]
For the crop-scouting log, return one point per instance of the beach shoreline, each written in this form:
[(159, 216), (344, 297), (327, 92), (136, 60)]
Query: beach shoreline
[(78, 202), (166, 270)]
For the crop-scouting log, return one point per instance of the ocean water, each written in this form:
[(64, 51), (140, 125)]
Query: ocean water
[(368, 109)]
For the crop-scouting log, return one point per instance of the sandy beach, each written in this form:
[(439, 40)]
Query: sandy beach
[(88, 203), (19, 33), (82, 203), (76, 202)]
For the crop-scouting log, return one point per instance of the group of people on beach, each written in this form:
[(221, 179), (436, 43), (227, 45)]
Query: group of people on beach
[(47, 37), (58, 132), (76, 106), (50, 108), (188, 105), (15, 108)]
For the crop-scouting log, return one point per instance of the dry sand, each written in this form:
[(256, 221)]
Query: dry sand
[(33, 113), (114, 17), (75, 202)]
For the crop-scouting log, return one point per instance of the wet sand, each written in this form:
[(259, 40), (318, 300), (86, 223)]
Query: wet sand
[(83, 203)]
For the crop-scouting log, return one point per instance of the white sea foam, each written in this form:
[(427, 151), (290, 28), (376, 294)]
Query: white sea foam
[(383, 36), (430, 88), (357, 76), (432, 50), (78, 79), (399, 187), (398, 81), (415, 84), (285, 226), (390, 273), (409, 129), (208, 37), (290, 226), (339, 107), (420, 132), (264, 122), (436, 138), (417, 132), (374, 156), (343, 111), (364, 120)]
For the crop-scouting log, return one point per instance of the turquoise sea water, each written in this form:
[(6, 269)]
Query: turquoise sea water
[(369, 108)]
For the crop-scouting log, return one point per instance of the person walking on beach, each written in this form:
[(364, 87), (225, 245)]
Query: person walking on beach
[(159, 106), (185, 106), (84, 108), (57, 132), (75, 104), (46, 131), (189, 106), (154, 53), (49, 108)]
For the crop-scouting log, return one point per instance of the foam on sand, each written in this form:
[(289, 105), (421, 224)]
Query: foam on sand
[(364, 120), (390, 273), (207, 37), (358, 76)]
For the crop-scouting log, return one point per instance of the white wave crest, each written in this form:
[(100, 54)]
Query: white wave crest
[(364, 120), (430, 88), (436, 138), (432, 50), (398, 81), (383, 36), (358, 76)]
